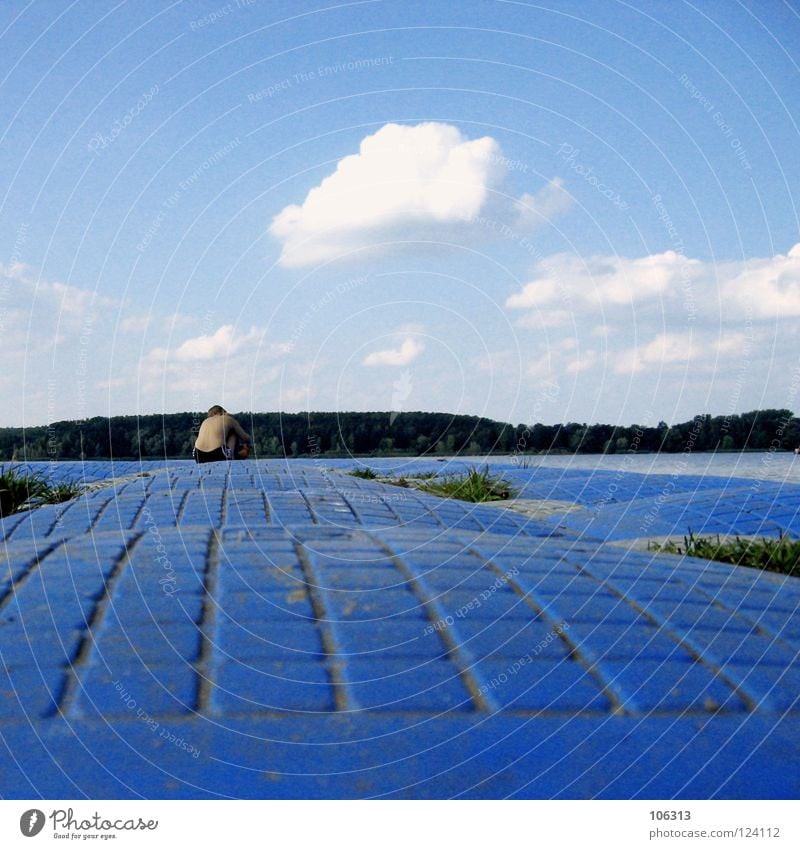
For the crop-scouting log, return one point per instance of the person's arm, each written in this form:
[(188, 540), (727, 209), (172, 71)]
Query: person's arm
[(240, 432)]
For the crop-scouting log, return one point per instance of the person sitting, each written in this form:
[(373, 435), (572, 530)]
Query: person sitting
[(218, 435)]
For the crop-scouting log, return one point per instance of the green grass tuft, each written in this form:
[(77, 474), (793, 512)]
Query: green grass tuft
[(19, 491), (25, 491), (475, 485), (780, 555), (60, 492), (366, 473)]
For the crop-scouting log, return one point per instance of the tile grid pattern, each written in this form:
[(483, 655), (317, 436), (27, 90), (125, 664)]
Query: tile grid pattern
[(248, 595)]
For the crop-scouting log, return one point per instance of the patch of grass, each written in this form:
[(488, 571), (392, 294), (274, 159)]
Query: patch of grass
[(19, 491), (780, 555), (475, 485), (408, 481), (366, 473), (60, 492)]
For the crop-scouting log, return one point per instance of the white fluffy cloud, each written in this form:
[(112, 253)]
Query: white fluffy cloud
[(209, 354), (408, 351), (225, 342), (238, 368), (770, 287), (702, 333), (64, 359), (758, 288), (566, 279), (405, 181), (56, 345), (551, 201), (664, 349)]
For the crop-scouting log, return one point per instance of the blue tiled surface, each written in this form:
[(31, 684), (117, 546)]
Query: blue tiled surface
[(272, 629), (625, 504)]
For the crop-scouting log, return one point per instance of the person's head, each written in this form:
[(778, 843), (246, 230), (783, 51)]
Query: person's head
[(216, 410)]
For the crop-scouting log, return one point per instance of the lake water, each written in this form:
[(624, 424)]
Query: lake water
[(763, 465)]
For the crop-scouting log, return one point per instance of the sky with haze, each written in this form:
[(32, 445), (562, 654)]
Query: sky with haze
[(556, 211)]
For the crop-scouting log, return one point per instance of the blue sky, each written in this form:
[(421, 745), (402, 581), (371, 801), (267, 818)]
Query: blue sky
[(567, 211)]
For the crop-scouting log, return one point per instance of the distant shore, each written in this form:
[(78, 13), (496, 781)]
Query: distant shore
[(399, 434)]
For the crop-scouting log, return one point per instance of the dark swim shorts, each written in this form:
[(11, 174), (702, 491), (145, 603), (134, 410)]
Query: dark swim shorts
[(209, 456)]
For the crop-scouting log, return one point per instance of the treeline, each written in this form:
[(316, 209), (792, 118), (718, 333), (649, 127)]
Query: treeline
[(758, 430), (302, 434)]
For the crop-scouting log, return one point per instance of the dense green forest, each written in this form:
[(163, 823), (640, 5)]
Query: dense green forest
[(303, 434)]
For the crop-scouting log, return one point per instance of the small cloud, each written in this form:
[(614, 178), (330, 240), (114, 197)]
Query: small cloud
[(545, 205), (219, 345), (543, 368), (665, 349), (734, 343), (16, 271), (757, 288), (401, 390), (534, 294), (112, 383), (770, 286), (566, 279), (134, 324), (583, 361), (226, 357), (545, 319), (408, 351), (496, 362)]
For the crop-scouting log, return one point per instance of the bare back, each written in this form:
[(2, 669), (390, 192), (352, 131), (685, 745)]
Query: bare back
[(216, 430)]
